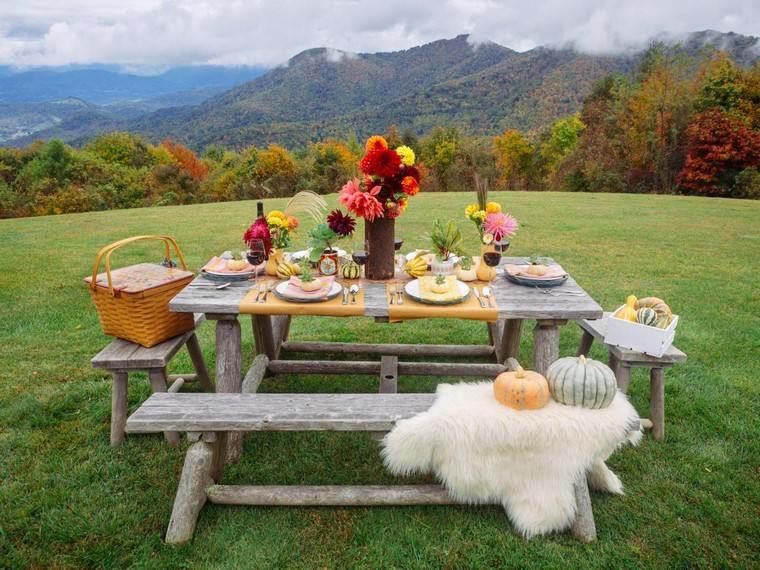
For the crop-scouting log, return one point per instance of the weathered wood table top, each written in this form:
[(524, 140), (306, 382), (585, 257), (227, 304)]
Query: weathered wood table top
[(568, 301)]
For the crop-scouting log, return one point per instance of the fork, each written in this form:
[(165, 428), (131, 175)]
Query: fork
[(269, 288), (400, 294), (261, 290), (392, 296)]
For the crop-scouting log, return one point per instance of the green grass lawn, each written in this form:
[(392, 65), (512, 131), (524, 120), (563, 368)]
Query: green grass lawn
[(69, 500)]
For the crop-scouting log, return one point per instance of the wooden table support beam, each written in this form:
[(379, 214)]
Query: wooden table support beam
[(447, 350), (487, 370)]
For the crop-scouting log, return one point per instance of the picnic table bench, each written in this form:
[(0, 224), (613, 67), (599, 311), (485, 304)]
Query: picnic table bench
[(208, 420)]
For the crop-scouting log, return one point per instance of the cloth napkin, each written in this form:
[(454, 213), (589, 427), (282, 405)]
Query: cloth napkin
[(552, 271), (294, 288), (219, 265)]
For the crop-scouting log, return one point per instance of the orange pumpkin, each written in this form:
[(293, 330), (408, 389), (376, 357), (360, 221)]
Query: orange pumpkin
[(521, 389)]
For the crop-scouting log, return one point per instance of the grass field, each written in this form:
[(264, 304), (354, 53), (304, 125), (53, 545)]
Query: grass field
[(68, 500)]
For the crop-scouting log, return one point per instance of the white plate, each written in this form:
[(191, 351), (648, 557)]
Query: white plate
[(295, 256), (281, 291), (412, 254), (413, 290)]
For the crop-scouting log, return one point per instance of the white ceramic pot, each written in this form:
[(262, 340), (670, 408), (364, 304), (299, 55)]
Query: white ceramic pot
[(438, 267)]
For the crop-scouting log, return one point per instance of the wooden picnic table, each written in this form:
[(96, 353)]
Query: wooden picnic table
[(516, 303)]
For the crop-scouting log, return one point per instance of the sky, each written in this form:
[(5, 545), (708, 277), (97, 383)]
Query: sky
[(161, 33)]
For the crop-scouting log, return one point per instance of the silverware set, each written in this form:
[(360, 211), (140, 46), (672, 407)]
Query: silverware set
[(397, 293), (484, 298), (353, 291), (550, 292), (264, 290)]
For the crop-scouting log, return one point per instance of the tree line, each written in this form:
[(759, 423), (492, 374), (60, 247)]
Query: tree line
[(676, 125)]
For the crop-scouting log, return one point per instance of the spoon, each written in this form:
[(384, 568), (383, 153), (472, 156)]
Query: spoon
[(222, 286), (487, 295), (353, 290)]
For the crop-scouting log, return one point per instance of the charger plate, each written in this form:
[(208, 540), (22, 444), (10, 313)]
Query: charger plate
[(413, 290)]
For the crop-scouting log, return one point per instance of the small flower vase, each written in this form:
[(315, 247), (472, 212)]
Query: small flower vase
[(275, 258), (483, 272), (328, 262), (380, 238)]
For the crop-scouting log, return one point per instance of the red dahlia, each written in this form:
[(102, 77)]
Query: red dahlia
[(382, 163), (342, 224)]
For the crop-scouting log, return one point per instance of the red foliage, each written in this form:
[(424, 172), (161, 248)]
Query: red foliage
[(717, 144), (186, 159)]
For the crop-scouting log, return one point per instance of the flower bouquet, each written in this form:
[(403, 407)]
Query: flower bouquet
[(390, 179), (493, 225), (324, 235)]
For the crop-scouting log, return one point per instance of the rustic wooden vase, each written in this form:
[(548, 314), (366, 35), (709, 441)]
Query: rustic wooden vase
[(379, 235)]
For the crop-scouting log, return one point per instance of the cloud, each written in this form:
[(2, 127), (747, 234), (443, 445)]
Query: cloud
[(155, 33)]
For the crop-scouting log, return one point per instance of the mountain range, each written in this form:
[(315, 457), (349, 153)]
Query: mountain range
[(481, 88)]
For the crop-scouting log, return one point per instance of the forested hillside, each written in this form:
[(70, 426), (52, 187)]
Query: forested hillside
[(481, 89)]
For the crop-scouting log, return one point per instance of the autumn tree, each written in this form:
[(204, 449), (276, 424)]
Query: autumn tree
[(719, 147), (121, 148), (186, 159), (515, 157)]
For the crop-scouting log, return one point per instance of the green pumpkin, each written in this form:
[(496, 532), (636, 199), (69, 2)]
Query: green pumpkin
[(646, 316), (581, 382), (350, 270)]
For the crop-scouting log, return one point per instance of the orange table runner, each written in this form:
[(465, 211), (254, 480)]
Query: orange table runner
[(468, 309), (276, 306)]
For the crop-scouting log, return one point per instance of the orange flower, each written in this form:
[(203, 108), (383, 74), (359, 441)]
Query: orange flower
[(410, 186), (376, 143)]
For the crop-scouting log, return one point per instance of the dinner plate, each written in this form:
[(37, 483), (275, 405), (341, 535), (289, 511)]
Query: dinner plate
[(412, 254), (530, 282), (295, 256), (413, 290), (280, 291), (227, 277)]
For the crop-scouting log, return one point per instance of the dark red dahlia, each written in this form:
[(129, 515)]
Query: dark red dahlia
[(386, 163), (259, 230), (342, 224), (411, 171)]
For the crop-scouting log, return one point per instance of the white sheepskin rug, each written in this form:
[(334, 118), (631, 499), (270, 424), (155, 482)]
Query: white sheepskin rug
[(486, 453)]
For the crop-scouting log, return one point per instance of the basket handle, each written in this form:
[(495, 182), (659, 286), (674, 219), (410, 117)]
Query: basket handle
[(169, 242)]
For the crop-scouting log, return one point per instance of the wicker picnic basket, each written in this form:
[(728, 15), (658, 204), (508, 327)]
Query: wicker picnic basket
[(133, 302)]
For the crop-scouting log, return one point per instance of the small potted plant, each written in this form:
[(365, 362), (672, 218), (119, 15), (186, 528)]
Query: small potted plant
[(466, 270), (323, 236), (537, 265), (307, 281), (447, 241), (439, 285)]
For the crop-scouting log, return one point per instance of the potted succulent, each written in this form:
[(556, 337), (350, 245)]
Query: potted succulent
[(307, 281), (440, 284), (447, 242), (466, 270), (323, 236)]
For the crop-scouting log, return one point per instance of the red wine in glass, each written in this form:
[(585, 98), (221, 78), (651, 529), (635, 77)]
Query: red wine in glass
[(360, 257), (397, 244), (501, 246), (256, 253), (492, 258)]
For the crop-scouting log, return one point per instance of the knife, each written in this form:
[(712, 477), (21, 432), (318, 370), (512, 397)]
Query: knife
[(477, 296), (345, 296)]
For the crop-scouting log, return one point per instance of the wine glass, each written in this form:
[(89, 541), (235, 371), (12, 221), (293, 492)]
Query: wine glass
[(398, 243), (501, 245), (492, 258), (256, 255), (360, 253)]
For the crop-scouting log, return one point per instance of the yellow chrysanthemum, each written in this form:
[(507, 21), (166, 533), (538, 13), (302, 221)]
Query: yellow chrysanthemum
[(480, 215), (277, 214), (276, 222), (376, 143), (470, 210), (493, 207), (406, 154)]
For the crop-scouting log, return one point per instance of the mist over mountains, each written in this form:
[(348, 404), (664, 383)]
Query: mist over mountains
[(482, 88)]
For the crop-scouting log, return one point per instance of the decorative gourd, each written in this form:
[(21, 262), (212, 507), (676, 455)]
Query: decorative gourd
[(350, 270), (628, 313), (417, 266), (484, 272), (521, 389), (466, 271), (276, 257), (660, 307), (663, 322), (288, 268), (581, 382), (646, 316), (236, 264)]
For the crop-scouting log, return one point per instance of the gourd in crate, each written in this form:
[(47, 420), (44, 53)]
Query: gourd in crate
[(628, 311), (655, 303), (646, 316), (581, 382), (521, 389)]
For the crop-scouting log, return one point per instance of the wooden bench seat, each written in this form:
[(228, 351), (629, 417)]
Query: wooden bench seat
[(209, 418), (621, 360), (121, 357)]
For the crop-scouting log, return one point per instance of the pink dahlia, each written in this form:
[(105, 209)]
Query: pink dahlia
[(499, 225), (361, 203)]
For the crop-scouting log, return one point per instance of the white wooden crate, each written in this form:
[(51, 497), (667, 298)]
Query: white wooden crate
[(641, 338)]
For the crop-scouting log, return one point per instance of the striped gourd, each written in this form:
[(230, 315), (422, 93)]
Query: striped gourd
[(660, 307), (646, 316), (581, 382)]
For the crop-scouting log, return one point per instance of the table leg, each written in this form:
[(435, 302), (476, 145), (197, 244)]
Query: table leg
[(545, 344), (229, 363), (510, 338)]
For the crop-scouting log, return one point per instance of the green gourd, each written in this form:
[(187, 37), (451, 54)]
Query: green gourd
[(581, 382), (350, 270), (646, 316)]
